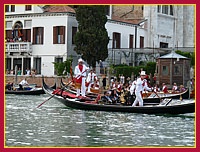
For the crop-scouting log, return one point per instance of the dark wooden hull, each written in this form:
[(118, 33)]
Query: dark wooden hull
[(26, 92), (157, 109), (175, 109)]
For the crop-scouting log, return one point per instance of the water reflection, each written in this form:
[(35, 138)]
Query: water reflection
[(55, 125)]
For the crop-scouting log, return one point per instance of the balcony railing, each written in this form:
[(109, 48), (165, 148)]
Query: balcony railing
[(19, 47)]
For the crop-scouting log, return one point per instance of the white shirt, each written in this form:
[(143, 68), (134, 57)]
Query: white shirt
[(132, 88), (23, 82), (122, 79), (28, 72), (91, 77), (141, 85), (175, 87), (77, 71)]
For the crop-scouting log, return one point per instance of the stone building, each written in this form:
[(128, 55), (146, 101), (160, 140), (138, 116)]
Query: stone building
[(46, 33)]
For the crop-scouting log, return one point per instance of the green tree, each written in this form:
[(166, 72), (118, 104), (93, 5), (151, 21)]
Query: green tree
[(190, 55), (62, 68), (91, 39)]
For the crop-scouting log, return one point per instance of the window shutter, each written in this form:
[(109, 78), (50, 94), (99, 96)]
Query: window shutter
[(12, 8), (9, 33), (118, 40), (7, 8), (55, 35), (28, 35), (34, 35), (62, 32), (23, 31), (74, 30), (131, 41), (42, 35), (141, 42)]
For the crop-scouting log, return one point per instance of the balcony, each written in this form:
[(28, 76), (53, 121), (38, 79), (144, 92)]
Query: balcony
[(19, 47)]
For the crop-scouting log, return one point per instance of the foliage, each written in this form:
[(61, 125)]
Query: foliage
[(91, 39), (188, 55), (127, 70), (150, 67), (62, 68)]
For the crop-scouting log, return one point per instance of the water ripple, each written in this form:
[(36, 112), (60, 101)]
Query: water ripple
[(55, 125)]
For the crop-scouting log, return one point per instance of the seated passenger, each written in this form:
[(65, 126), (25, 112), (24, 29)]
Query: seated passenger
[(9, 86), (114, 96), (20, 87), (106, 98), (156, 88), (164, 88), (24, 82), (181, 88), (174, 88)]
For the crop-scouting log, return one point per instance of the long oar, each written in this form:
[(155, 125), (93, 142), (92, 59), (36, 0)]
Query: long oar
[(48, 98), (78, 76), (157, 95), (53, 95), (59, 90)]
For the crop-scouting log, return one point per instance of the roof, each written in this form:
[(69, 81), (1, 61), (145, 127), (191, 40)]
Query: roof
[(59, 8), (67, 8), (132, 21), (172, 55)]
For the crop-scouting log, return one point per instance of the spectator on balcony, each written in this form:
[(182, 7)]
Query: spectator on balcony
[(7, 71), (33, 72), (19, 39), (12, 72), (15, 39), (28, 71), (19, 72), (11, 40), (8, 39)]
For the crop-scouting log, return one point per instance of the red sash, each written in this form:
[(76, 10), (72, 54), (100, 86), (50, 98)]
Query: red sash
[(79, 79)]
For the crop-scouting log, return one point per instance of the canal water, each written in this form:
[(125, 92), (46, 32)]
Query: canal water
[(54, 125)]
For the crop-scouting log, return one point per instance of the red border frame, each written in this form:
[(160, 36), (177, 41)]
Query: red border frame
[(2, 149)]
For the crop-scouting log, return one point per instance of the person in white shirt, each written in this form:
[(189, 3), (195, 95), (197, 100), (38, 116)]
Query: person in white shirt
[(23, 82), (80, 73), (140, 86), (122, 79), (174, 88), (90, 79), (132, 88), (28, 71)]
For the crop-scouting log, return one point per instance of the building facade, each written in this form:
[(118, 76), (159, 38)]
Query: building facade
[(36, 35)]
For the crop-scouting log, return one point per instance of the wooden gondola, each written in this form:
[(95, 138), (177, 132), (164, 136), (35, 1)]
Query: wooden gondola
[(33, 91), (165, 108), (28, 90), (152, 98)]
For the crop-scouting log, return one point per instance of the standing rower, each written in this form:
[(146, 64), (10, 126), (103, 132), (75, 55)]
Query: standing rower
[(80, 72), (140, 86)]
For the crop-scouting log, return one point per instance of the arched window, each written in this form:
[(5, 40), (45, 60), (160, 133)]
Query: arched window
[(18, 25), (17, 29)]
